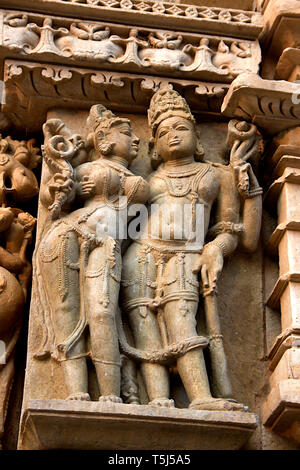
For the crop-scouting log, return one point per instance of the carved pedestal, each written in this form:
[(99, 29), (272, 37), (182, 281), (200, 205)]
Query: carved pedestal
[(57, 424)]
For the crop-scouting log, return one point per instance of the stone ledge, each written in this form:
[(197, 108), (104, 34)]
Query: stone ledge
[(281, 411), (215, 20), (60, 424)]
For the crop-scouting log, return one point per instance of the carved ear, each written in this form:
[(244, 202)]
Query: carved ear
[(199, 154), (154, 157)]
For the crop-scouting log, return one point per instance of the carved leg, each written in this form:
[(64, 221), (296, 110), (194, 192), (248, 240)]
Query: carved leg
[(61, 296), (102, 292), (76, 377), (139, 270), (180, 319), (147, 337), (191, 366)]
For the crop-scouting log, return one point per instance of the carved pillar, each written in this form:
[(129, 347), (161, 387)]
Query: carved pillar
[(281, 411)]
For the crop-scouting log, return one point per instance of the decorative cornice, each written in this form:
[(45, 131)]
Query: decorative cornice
[(281, 25), (267, 103), (32, 89), (155, 14)]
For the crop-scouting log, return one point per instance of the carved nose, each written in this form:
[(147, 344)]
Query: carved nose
[(172, 136)]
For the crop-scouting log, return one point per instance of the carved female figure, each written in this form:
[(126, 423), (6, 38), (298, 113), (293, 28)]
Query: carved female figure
[(78, 261), (160, 271)]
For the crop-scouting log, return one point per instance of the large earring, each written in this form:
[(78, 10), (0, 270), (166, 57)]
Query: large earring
[(105, 147)]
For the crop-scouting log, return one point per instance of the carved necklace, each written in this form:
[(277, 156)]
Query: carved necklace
[(177, 189), (173, 178)]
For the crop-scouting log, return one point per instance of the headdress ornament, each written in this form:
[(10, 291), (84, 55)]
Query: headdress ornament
[(167, 103), (102, 118)]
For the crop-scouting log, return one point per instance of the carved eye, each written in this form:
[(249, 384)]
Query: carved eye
[(126, 133), (162, 133)]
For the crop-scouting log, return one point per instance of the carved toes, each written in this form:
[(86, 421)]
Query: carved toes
[(79, 396), (110, 399), (164, 402)]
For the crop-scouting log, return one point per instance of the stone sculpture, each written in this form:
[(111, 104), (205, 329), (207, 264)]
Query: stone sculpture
[(86, 184), (17, 184), (160, 288)]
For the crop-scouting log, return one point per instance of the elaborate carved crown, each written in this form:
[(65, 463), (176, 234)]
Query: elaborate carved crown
[(103, 118), (167, 103)]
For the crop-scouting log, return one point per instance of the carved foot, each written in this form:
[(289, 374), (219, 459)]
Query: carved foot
[(79, 396), (217, 404), (164, 402), (110, 399)]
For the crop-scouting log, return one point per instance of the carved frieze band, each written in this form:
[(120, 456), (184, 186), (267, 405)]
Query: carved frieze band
[(130, 49), (31, 86), (239, 23)]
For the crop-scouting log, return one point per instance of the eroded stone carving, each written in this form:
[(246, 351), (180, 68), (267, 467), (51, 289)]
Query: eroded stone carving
[(17, 184), (272, 105), (79, 250), (160, 288)]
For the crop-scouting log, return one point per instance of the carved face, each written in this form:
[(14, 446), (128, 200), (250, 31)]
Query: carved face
[(119, 141), (16, 179), (6, 218), (175, 138)]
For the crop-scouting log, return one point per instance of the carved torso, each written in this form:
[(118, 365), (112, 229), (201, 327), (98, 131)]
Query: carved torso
[(186, 185)]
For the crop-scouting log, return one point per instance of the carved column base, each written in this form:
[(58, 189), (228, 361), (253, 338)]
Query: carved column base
[(60, 424)]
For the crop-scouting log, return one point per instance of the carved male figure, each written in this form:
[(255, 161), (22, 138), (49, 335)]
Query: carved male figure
[(160, 273)]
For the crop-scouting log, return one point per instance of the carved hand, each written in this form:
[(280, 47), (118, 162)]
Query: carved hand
[(86, 187), (209, 264), (242, 151), (60, 183)]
